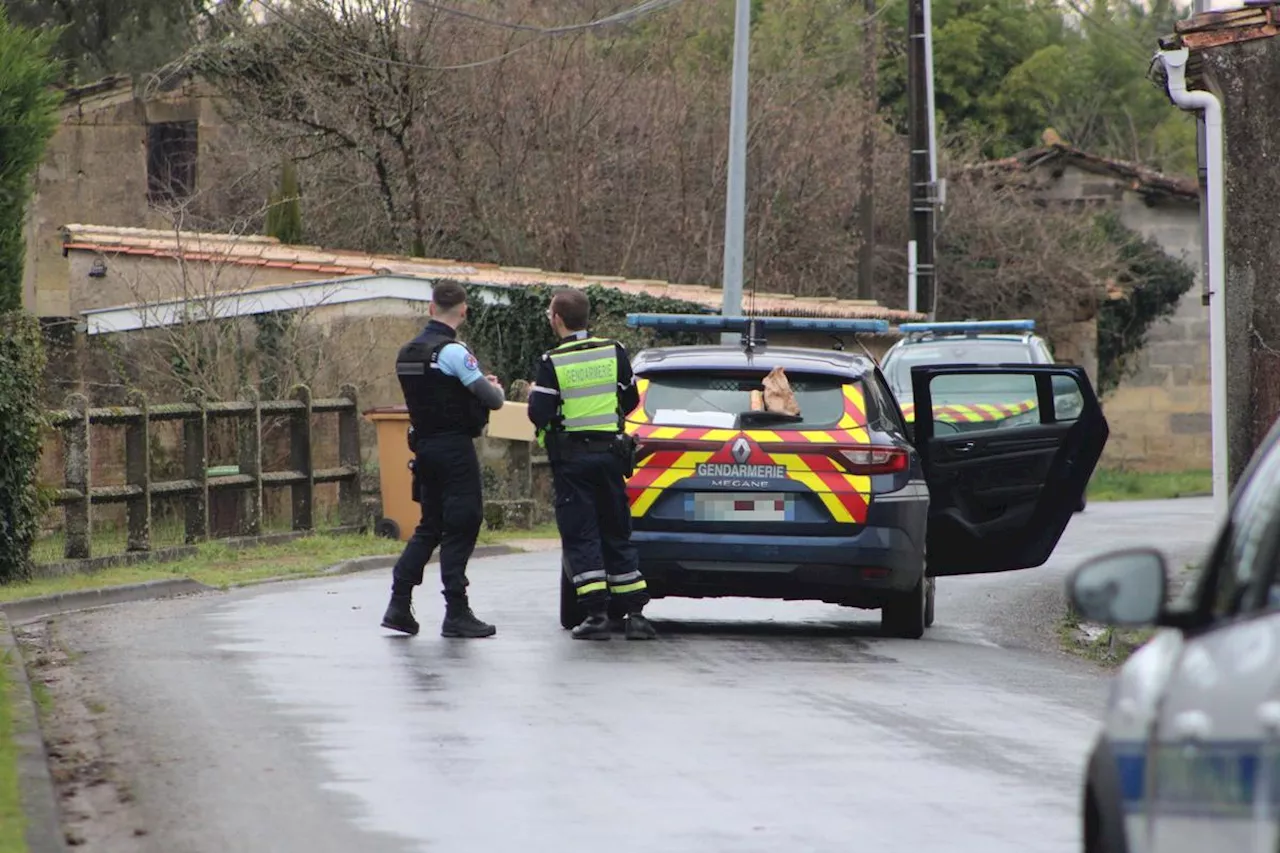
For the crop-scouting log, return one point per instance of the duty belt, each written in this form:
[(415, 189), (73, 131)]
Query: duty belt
[(582, 443)]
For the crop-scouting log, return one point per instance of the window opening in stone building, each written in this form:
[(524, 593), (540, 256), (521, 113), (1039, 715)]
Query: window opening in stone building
[(172, 147)]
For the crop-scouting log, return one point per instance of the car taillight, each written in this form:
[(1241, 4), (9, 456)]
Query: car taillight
[(875, 460)]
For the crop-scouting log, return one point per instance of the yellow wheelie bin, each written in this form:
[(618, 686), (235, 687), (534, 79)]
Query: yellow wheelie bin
[(400, 511)]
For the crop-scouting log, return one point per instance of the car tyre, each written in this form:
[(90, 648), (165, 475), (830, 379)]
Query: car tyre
[(928, 603), (905, 615)]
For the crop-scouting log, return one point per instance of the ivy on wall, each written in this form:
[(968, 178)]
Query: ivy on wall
[(508, 339), (1153, 282), (22, 363)]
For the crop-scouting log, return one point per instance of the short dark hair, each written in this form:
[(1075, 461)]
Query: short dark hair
[(573, 307), (448, 295)]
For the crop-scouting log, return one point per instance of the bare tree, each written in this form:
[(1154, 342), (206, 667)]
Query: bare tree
[(428, 133), (202, 329)]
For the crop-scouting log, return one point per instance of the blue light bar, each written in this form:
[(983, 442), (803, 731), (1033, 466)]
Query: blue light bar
[(718, 323), (961, 328)]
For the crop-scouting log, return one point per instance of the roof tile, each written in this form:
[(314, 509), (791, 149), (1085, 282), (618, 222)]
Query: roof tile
[(259, 250)]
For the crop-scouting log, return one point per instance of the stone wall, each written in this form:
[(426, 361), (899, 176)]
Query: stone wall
[(133, 279), (95, 171), (1159, 414)]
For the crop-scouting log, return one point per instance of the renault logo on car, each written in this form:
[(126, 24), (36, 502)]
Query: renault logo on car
[(740, 475)]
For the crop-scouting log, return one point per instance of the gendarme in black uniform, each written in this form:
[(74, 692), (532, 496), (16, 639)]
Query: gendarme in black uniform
[(583, 389), (445, 417)]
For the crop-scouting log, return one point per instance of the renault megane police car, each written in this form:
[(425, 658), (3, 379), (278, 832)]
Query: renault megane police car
[(836, 503)]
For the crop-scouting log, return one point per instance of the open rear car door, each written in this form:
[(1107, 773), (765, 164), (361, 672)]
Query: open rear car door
[(1003, 486)]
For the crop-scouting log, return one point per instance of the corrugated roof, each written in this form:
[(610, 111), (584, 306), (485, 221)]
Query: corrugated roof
[(1256, 20), (269, 253)]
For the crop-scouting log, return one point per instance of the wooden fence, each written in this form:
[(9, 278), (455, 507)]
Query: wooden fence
[(78, 496)]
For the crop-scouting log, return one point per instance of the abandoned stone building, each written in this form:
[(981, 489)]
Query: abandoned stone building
[(1159, 414), (127, 153)]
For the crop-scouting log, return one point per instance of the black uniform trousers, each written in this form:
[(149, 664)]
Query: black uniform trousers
[(449, 488), (594, 519)]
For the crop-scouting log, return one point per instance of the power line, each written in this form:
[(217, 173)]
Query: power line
[(369, 57), (1110, 28), (622, 17), (540, 32)]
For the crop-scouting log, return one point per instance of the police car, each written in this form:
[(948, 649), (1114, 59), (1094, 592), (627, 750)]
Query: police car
[(837, 503), (978, 405), (972, 342), (1189, 754)]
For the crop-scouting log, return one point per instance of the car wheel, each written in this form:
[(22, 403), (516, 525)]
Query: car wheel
[(928, 602), (905, 614), (571, 613)]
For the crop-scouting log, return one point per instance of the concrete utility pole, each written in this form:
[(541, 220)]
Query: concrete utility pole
[(735, 210), (923, 167), (867, 173)]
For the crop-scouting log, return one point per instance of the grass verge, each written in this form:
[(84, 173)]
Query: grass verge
[(12, 821), (1113, 484), (218, 565), (1110, 647)]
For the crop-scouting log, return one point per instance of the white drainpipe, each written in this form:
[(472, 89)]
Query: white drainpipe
[(1175, 64)]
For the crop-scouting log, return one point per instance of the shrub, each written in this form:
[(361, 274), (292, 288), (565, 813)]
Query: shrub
[(22, 363)]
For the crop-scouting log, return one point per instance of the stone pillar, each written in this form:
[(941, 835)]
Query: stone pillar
[(1235, 55), (1077, 344)]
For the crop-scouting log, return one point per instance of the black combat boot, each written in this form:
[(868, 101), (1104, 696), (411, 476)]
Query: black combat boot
[(617, 617), (459, 621), (594, 627), (399, 615), (639, 628)]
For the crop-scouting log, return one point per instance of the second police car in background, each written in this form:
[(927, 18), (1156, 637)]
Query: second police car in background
[(992, 402), (974, 342), (839, 503)]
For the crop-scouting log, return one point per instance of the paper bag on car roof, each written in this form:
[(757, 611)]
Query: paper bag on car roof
[(778, 396)]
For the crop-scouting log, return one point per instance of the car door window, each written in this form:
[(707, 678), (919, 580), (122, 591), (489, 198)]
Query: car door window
[(1255, 548), (1247, 577), (1068, 402), (1005, 474), (980, 401), (882, 403)]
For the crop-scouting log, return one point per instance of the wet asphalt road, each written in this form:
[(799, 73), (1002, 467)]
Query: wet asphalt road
[(282, 718)]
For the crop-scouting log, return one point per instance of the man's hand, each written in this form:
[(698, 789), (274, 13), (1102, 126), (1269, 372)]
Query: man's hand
[(493, 380)]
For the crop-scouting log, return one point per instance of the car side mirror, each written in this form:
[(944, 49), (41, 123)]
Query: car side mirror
[(1121, 589)]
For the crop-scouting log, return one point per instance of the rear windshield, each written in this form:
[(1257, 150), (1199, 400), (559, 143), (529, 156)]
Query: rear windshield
[(898, 370), (719, 399)]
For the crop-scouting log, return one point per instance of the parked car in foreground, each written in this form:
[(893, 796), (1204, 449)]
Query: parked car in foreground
[(1188, 757)]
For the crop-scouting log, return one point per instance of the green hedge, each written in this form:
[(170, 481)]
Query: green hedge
[(508, 339), (22, 362), (1154, 282)]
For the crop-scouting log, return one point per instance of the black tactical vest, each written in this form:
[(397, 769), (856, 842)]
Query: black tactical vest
[(438, 404)]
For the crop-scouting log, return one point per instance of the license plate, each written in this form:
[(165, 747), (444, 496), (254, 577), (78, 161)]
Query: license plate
[(730, 506)]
